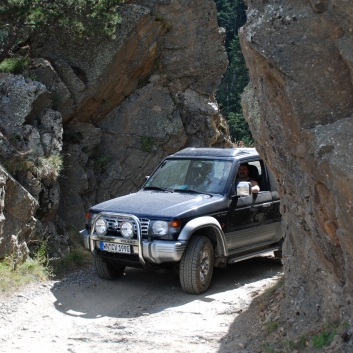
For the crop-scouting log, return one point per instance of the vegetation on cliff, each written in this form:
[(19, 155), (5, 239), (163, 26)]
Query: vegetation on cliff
[(20, 18), (231, 16)]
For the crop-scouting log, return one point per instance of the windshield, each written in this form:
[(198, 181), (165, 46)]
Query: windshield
[(202, 175)]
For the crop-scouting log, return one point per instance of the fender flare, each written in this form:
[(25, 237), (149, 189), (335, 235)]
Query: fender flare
[(204, 222)]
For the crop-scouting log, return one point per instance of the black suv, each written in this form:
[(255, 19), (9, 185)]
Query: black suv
[(190, 215)]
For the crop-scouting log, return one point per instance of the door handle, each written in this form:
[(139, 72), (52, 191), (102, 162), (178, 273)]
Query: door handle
[(267, 204)]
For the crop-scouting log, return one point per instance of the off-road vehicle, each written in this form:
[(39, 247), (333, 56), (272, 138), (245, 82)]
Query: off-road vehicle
[(190, 216)]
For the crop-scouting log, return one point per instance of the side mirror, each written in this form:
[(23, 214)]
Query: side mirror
[(243, 189), (146, 177)]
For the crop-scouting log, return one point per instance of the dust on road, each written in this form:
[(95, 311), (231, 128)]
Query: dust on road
[(143, 311)]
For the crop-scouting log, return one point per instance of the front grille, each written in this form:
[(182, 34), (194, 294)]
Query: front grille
[(145, 224), (114, 226)]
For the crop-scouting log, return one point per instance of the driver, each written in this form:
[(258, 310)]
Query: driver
[(243, 175)]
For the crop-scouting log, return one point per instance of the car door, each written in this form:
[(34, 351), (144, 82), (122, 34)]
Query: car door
[(250, 218)]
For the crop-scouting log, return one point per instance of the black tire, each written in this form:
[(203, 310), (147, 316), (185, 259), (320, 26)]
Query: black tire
[(107, 270), (196, 265), (278, 254)]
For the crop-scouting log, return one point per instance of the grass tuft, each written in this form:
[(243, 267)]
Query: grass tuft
[(78, 258), (278, 285), (14, 277), (271, 326), (267, 348), (50, 167), (323, 339), (46, 168)]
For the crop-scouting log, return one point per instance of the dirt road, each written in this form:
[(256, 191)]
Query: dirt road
[(141, 312)]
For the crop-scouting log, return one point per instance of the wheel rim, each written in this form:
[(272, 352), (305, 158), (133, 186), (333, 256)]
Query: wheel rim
[(204, 266)]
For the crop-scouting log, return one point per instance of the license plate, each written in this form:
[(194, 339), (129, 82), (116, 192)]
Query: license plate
[(114, 247)]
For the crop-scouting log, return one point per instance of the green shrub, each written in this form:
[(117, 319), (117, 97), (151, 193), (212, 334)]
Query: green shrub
[(14, 65), (42, 253), (147, 143)]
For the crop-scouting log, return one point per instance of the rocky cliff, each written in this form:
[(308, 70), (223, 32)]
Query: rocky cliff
[(123, 104), (299, 106), (30, 147)]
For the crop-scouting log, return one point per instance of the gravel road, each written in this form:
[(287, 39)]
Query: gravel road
[(143, 311)]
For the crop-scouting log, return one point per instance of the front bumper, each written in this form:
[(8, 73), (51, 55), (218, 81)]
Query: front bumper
[(155, 252)]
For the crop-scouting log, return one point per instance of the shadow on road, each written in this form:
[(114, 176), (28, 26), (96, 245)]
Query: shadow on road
[(141, 292)]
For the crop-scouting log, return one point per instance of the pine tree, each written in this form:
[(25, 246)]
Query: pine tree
[(231, 16)]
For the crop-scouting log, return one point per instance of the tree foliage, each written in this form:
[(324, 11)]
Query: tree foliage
[(231, 16), (21, 18)]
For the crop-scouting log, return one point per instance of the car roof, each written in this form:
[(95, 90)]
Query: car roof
[(216, 152)]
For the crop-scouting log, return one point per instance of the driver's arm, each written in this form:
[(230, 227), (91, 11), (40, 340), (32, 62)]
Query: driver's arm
[(255, 188)]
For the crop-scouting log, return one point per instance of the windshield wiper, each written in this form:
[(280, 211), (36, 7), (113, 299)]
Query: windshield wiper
[(192, 191), (157, 188)]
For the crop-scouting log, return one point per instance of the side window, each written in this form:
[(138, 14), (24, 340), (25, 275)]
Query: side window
[(256, 173)]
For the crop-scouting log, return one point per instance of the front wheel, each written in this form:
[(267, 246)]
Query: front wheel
[(196, 265), (107, 270)]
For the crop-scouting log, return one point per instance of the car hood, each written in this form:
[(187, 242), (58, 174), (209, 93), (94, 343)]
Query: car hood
[(155, 204)]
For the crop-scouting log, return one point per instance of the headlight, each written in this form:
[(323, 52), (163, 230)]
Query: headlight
[(160, 228), (101, 226), (127, 230)]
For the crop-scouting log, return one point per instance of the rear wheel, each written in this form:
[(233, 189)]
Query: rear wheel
[(196, 265), (107, 270)]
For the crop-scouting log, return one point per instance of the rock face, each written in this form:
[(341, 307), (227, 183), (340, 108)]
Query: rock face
[(30, 146), (113, 108), (17, 222), (299, 106), (135, 99)]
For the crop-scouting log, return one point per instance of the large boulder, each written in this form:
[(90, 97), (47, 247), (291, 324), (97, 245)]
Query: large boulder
[(149, 95), (17, 221), (299, 106), (101, 72)]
